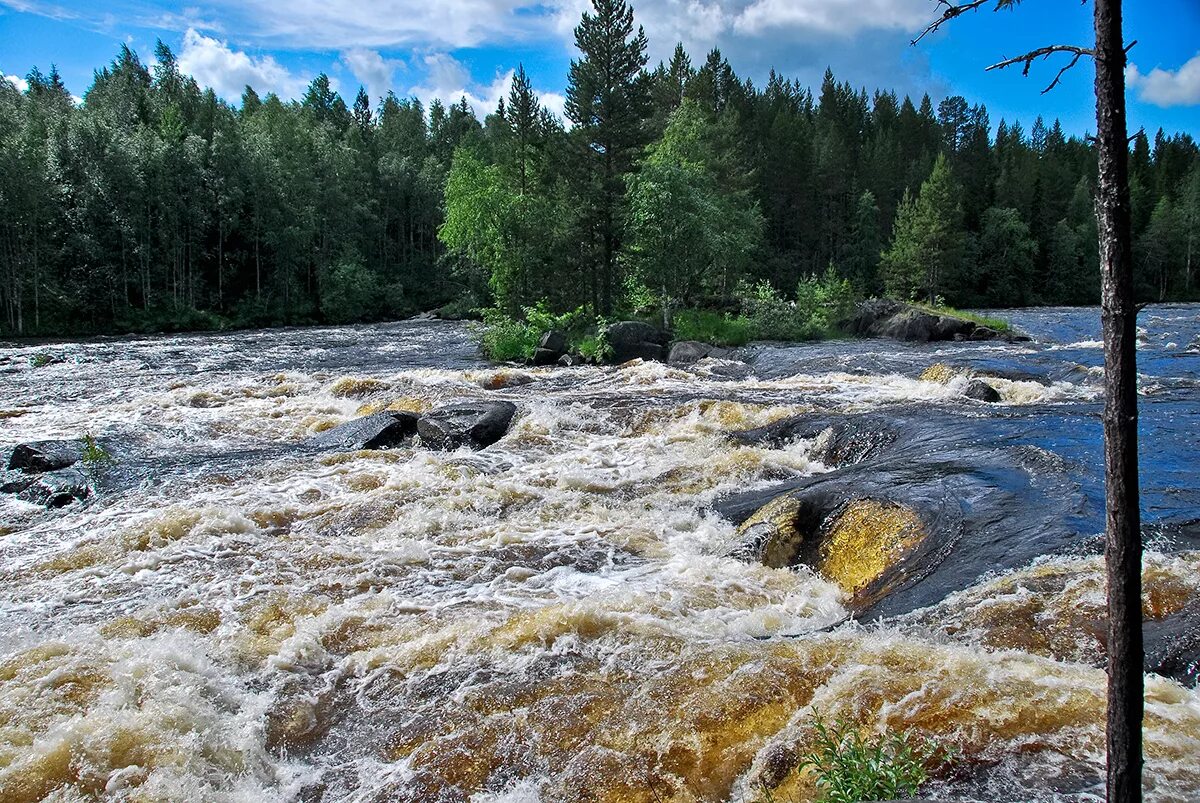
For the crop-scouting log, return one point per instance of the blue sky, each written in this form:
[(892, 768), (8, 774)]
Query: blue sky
[(448, 48)]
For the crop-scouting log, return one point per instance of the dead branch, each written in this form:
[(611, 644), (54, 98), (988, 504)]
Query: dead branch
[(1027, 60), (952, 11)]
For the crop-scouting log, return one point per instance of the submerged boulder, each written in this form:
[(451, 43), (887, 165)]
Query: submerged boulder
[(474, 424), (42, 456), (631, 340), (384, 430)]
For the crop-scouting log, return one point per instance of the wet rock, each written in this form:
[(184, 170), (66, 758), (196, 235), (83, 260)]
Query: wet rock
[(1173, 646), (838, 440), (979, 390), (918, 496), (57, 488), (631, 340), (474, 424), (384, 430), (552, 346), (42, 456), (567, 361), (686, 352), (887, 318)]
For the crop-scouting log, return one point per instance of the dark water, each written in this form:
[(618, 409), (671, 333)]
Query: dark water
[(554, 618)]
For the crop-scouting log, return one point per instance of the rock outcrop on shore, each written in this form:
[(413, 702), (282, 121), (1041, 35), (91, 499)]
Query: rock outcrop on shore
[(883, 317)]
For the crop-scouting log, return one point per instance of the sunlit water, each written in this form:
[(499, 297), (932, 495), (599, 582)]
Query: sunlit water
[(550, 619)]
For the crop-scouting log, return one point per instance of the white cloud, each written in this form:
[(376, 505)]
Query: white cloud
[(449, 80), (346, 24), (20, 83), (1168, 88), (213, 63), (842, 17), (372, 70)]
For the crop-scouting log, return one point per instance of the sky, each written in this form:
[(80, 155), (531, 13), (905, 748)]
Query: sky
[(454, 48)]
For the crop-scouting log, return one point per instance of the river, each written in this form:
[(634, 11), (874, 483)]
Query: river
[(555, 618)]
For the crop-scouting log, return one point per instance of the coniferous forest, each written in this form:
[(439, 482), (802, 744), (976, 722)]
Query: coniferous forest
[(155, 205)]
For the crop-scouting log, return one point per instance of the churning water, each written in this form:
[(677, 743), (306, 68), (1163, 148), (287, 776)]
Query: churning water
[(554, 618)]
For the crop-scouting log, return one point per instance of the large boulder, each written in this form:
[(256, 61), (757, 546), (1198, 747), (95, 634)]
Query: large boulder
[(550, 348), (42, 456), (686, 352), (384, 430), (474, 424), (886, 318), (631, 340)]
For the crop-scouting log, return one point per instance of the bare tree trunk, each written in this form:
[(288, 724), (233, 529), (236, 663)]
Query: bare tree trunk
[(1123, 544)]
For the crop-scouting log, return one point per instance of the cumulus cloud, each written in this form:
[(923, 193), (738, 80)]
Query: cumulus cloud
[(449, 80), (1166, 87), (20, 83), (371, 69), (214, 63)]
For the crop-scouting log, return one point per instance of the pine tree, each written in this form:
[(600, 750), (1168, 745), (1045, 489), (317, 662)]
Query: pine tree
[(927, 239), (608, 102)]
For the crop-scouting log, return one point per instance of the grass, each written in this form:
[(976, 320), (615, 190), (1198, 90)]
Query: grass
[(42, 359), (999, 324), (716, 328), (851, 767)]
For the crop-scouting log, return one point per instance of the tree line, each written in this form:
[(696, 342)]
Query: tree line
[(153, 204)]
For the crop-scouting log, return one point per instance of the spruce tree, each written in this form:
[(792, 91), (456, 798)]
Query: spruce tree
[(608, 101)]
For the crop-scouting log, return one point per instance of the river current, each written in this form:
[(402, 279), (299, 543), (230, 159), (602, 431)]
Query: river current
[(553, 618)]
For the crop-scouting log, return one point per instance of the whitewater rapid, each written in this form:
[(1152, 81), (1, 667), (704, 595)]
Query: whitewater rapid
[(550, 619)]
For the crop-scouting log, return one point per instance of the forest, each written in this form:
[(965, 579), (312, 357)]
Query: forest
[(154, 205)]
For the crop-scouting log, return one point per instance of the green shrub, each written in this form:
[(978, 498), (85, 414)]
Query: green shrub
[(42, 359), (506, 339), (94, 455), (594, 348), (712, 327), (851, 767)]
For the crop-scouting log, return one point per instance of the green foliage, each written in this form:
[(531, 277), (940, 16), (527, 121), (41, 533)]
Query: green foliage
[(718, 328), (42, 359), (821, 304), (825, 301), (851, 767), (507, 339), (927, 238), (594, 348), (687, 231), (353, 293), (153, 205), (95, 456), (999, 324)]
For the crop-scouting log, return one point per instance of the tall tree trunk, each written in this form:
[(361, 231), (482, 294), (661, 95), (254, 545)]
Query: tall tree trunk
[(1123, 544)]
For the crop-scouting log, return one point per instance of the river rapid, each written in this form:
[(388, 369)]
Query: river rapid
[(554, 618)]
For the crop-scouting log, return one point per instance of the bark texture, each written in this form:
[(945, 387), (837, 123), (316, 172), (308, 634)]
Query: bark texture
[(1123, 545)]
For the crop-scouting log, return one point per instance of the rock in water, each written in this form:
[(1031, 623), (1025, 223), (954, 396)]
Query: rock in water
[(552, 346), (686, 352), (981, 391), (45, 456), (474, 424), (631, 340), (57, 488), (887, 318), (384, 430)]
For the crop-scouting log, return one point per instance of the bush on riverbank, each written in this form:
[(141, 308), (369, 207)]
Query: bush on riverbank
[(999, 324)]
